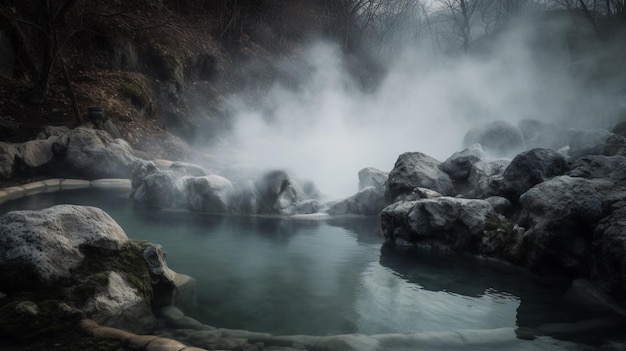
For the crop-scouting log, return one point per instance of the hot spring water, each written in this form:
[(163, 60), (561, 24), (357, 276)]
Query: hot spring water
[(323, 277)]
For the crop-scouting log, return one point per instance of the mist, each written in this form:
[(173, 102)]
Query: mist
[(326, 127)]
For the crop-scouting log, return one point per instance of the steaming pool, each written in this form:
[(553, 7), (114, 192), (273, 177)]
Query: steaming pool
[(324, 277)]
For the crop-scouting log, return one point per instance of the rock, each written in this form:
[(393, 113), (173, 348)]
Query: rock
[(596, 142), (209, 193), (279, 192), (539, 134), (530, 168), (485, 179), (120, 305), (609, 251), (560, 215), (93, 154), (413, 170), (155, 188), (51, 242), (371, 176), (598, 166), (459, 165), (304, 207), (498, 138), (369, 201), (35, 155), (189, 168), (446, 223), (418, 194), (501, 205)]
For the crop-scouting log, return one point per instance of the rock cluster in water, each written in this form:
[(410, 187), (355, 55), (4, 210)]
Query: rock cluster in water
[(558, 213)]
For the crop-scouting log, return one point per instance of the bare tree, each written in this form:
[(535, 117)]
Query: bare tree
[(45, 27), (461, 13)]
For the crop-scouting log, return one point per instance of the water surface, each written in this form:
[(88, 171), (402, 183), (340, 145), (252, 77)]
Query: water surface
[(324, 277)]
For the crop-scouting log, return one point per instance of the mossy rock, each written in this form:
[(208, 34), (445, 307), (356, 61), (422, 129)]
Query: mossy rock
[(139, 95), (94, 271)]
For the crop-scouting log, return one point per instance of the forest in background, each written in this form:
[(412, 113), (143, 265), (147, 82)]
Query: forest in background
[(163, 70)]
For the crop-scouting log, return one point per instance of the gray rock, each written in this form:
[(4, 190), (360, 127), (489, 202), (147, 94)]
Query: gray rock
[(371, 176), (498, 138), (560, 215), (93, 154), (369, 201), (155, 188), (448, 223), (279, 192), (501, 205), (413, 170), (208, 193), (419, 194), (459, 165), (598, 166), (189, 168), (36, 153), (530, 168), (596, 142), (485, 179), (51, 241)]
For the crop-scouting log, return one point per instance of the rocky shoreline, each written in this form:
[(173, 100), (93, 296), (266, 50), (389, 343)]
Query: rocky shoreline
[(559, 214)]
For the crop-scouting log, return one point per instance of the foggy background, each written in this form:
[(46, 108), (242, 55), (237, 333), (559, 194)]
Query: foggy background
[(324, 123)]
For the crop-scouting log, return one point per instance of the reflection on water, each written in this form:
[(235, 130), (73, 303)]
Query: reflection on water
[(287, 276)]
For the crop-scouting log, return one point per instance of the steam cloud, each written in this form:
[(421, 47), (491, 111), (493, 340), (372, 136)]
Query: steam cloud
[(327, 129)]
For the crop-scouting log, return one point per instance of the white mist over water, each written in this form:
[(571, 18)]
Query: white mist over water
[(327, 129)]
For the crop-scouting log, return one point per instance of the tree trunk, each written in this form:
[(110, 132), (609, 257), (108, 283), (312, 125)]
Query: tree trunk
[(68, 81)]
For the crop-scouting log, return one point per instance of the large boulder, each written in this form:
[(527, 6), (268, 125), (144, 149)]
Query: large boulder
[(598, 166), (560, 216), (84, 259), (371, 176), (416, 170), (92, 154), (498, 138), (280, 193), (485, 179), (208, 193), (369, 201), (532, 167), (51, 242), (156, 188), (596, 142), (459, 165), (444, 223)]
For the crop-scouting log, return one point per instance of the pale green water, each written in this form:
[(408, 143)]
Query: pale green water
[(287, 276)]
